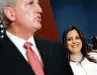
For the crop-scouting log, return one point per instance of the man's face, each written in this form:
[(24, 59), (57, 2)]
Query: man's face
[(27, 15)]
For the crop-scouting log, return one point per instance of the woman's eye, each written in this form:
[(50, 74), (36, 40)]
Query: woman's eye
[(69, 39), (78, 37)]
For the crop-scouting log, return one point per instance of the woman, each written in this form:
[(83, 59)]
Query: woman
[(77, 50)]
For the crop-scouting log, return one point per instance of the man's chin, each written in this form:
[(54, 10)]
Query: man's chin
[(39, 26)]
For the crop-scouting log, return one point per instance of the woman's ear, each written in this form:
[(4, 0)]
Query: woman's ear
[(9, 13)]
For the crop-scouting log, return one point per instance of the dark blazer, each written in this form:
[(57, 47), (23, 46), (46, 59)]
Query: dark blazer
[(13, 63)]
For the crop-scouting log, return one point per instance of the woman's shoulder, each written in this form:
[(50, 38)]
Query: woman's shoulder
[(90, 63)]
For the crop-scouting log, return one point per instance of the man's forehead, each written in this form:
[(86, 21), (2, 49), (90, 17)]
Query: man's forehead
[(32, 0), (27, 1)]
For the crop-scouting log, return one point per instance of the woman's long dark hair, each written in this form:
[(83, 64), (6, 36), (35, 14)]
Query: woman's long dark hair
[(84, 49)]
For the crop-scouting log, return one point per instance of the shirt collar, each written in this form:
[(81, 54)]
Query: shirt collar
[(31, 40), (19, 40)]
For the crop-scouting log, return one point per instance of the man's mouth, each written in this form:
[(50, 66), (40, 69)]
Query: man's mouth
[(38, 18)]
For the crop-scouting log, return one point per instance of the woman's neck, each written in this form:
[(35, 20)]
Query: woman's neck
[(76, 57)]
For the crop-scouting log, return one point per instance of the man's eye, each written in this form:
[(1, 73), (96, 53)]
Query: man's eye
[(31, 3)]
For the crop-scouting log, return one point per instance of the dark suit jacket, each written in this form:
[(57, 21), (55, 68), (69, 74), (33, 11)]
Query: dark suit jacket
[(13, 63)]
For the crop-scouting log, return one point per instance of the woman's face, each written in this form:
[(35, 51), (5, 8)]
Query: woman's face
[(74, 43)]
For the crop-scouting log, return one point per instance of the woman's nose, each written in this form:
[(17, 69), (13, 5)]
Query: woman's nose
[(74, 40)]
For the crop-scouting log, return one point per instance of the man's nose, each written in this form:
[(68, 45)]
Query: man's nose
[(39, 9)]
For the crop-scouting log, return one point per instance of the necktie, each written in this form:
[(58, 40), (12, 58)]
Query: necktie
[(33, 60)]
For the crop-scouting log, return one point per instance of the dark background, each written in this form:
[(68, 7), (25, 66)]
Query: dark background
[(81, 13)]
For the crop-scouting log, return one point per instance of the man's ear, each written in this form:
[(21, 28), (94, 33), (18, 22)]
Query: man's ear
[(9, 13)]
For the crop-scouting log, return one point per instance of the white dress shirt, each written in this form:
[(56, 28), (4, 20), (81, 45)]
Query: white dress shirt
[(19, 43), (84, 68)]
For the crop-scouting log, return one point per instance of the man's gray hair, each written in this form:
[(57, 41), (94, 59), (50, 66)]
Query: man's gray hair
[(5, 3)]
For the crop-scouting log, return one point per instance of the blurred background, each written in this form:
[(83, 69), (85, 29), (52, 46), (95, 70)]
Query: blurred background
[(60, 14), (81, 13)]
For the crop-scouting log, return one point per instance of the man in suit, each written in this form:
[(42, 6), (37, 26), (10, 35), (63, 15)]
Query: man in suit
[(22, 19)]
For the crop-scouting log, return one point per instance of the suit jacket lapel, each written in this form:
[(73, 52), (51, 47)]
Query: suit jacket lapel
[(45, 55), (15, 57)]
